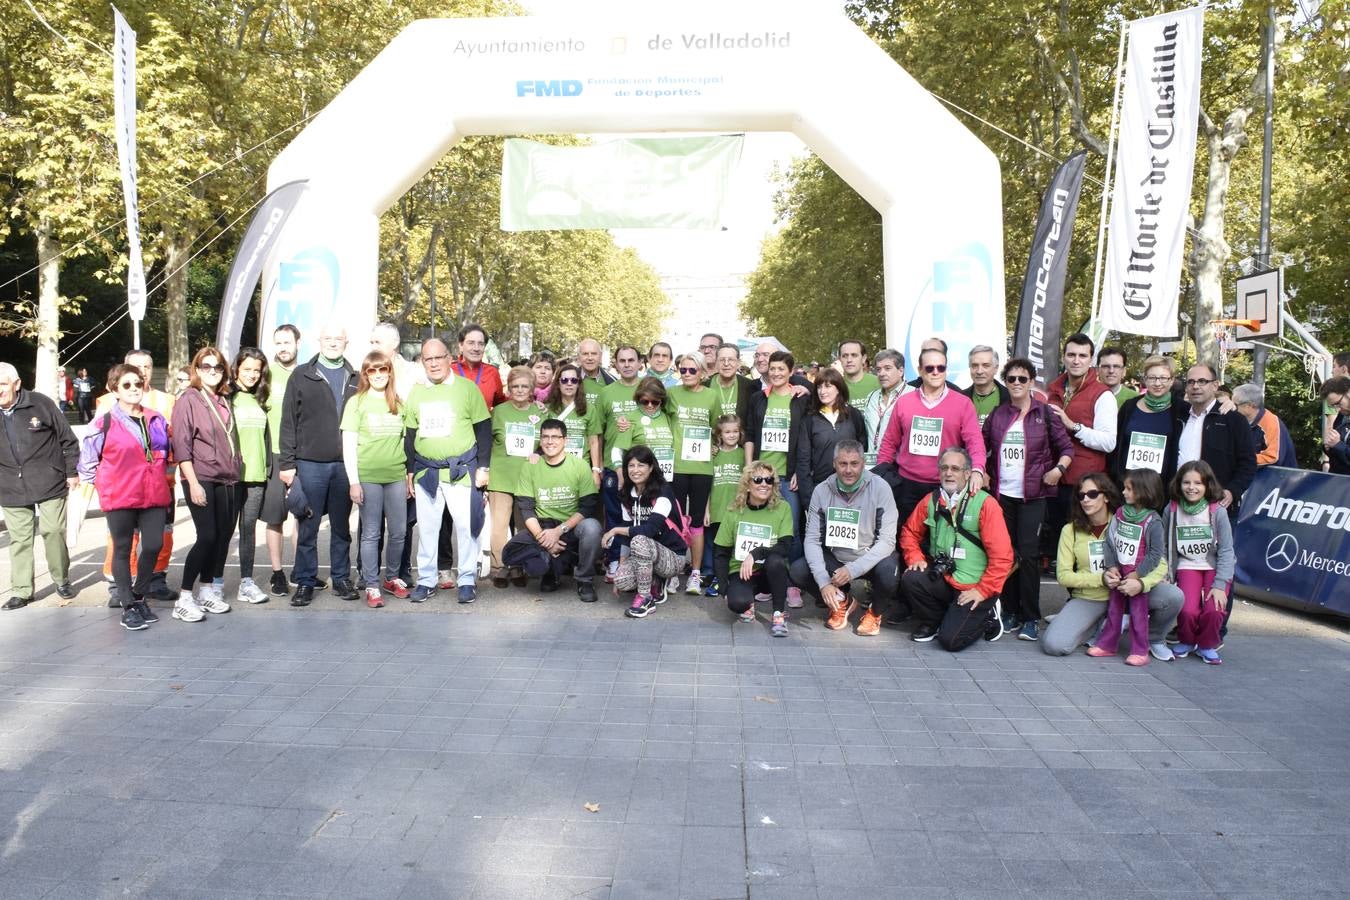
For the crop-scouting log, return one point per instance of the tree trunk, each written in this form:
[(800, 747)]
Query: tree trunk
[(48, 325), (1209, 250), (175, 302)]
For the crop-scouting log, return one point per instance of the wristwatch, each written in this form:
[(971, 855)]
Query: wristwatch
[(563, 528)]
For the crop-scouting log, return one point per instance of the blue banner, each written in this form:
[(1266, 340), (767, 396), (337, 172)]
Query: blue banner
[(1293, 539)]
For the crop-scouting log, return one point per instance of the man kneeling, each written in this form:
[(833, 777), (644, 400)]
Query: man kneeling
[(850, 535), (559, 506), (958, 554)]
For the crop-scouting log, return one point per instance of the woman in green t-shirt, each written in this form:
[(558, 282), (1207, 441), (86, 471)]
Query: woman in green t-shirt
[(376, 464), (251, 400), (750, 552), (651, 426), (515, 436), (695, 408), (567, 401)]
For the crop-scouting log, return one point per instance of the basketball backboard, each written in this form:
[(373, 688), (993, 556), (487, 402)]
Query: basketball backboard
[(1259, 298)]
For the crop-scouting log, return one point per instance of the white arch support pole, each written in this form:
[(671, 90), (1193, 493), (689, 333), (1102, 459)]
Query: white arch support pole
[(706, 67)]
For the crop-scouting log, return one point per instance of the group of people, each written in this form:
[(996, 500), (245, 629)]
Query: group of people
[(755, 487)]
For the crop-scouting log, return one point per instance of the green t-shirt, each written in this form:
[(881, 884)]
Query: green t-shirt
[(657, 432), (380, 457), (695, 420), (251, 421), (1125, 396), (726, 466), (727, 397), (515, 435), (775, 432), (984, 405), (275, 398), (556, 489), (859, 390), (745, 529), (615, 400), (444, 415), (579, 429), (592, 387)]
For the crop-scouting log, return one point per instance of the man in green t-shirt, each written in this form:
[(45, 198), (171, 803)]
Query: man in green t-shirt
[(449, 441), (985, 391), (557, 501), (861, 382), (285, 346), (1111, 363)]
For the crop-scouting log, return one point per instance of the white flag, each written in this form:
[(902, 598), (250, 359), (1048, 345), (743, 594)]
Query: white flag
[(1155, 158), (124, 112)]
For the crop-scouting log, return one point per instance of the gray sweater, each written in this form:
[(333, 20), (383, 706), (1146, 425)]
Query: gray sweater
[(1221, 558), (877, 526), (1153, 549)]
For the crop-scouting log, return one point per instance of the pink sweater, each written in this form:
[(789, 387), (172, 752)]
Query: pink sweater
[(960, 428)]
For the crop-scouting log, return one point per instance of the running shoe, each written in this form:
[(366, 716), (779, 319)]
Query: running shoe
[(187, 610), (398, 587), (640, 606), (210, 600), (694, 585), (1211, 657), (132, 620), (374, 598), (779, 626), (794, 598), (249, 592), (279, 586)]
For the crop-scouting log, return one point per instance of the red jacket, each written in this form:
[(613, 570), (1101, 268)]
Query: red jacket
[(485, 376), (117, 462), (1086, 461)]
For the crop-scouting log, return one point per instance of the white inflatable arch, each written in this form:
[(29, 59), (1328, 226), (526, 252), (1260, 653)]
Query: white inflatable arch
[(726, 67)]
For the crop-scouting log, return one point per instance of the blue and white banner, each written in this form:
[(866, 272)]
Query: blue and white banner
[(1293, 539)]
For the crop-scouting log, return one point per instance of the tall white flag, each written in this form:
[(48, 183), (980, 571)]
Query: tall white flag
[(1155, 158), (124, 112)]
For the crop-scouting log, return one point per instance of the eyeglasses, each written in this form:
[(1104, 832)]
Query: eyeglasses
[(1157, 379), (550, 436), (569, 380), (1089, 495), (1198, 382), (129, 386), (207, 367), (763, 479), (951, 468), (933, 370), (377, 370), (688, 370), (435, 358), (647, 401), (706, 347), (1017, 379)]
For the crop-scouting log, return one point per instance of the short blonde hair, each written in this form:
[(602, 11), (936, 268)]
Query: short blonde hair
[(758, 467), (1163, 361)]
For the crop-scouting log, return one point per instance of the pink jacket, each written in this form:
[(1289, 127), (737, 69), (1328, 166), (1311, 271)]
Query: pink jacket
[(960, 428), (116, 461)]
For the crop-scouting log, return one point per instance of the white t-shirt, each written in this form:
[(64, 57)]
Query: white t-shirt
[(1012, 462)]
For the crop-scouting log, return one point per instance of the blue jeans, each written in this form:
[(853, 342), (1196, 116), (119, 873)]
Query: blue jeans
[(325, 485)]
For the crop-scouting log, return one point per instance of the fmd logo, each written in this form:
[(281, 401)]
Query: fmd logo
[(554, 88)]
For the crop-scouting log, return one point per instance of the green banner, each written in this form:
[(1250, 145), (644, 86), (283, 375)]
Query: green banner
[(638, 183)]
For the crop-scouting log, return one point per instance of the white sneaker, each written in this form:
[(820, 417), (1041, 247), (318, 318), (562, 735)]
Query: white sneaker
[(186, 609), (210, 599), (249, 592), (695, 583)]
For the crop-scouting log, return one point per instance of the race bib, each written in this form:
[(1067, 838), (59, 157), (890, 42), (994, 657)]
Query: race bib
[(1145, 451), (750, 537), (519, 438), (1195, 541), (1127, 540), (696, 445), (870, 459), (842, 527), (1014, 448), (576, 445), (433, 420), (774, 435), (665, 458), (925, 436), (1096, 557)]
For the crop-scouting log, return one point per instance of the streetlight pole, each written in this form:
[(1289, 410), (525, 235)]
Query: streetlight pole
[(1259, 353)]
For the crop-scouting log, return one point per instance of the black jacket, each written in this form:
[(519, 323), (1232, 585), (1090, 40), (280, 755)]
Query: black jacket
[(754, 423), (1225, 443), (310, 419), (38, 451), (816, 438), (1339, 456)]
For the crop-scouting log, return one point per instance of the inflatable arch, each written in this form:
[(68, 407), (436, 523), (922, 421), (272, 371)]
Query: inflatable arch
[(698, 67)]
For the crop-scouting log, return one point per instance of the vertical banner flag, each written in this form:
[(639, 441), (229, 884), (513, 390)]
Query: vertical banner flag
[(262, 233), (1038, 318), (124, 115), (637, 183), (1155, 158)]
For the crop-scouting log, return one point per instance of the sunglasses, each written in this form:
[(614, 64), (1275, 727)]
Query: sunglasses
[(377, 370), (1089, 495), (688, 370), (763, 479), (649, 403), (129, 386), (569, 380), (205, 367), (1017, 379), (933, 370)]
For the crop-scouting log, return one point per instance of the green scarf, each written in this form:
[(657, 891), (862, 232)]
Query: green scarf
[(1157, 404), (1134, 515), (1193, 509), (845, 489)]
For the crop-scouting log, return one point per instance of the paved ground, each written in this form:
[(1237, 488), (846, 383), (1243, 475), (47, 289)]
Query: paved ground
[(540, 748)]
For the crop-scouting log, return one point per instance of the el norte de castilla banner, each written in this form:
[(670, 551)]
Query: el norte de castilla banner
[(1155, 159)]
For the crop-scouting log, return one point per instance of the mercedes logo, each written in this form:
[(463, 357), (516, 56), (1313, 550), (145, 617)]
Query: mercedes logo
[(1281, 552)]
